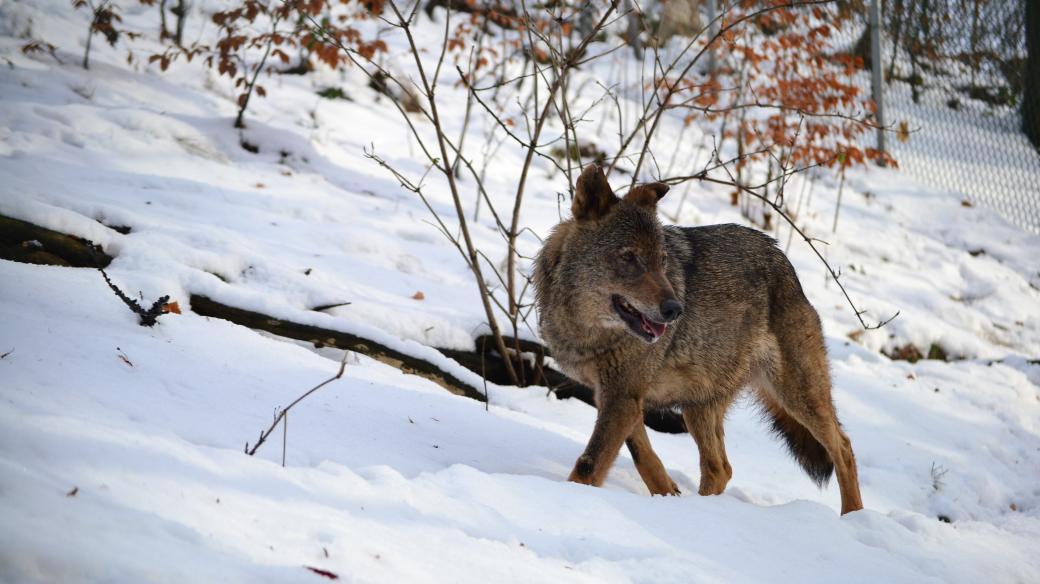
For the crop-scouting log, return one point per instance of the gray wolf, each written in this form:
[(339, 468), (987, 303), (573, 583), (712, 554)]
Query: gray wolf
[(684, 317)]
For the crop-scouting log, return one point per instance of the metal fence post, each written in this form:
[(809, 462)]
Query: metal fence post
[(876, 71)]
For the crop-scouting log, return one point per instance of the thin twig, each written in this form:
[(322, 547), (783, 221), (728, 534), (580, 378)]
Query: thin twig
[(147, 317), (284, 411)]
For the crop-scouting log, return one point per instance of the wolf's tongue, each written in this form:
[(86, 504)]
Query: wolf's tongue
[(653, 328)]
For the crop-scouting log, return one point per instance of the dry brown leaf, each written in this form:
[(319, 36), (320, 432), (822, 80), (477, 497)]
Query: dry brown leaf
[(419, 296), (903, 132)]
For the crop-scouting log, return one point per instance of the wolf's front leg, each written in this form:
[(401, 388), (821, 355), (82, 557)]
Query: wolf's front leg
[(648, 464), (616, 417)]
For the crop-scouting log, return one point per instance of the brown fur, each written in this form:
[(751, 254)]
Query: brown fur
[(745, 322)]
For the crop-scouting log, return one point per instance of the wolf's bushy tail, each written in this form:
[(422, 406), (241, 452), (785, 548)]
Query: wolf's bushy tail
[(805, 449)]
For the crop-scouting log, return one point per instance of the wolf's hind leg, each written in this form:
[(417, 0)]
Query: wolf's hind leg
[(803, 389), (705, 423), (648, 464), (819, 417)]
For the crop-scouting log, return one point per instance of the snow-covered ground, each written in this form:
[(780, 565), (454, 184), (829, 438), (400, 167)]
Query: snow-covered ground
[(121, 446)]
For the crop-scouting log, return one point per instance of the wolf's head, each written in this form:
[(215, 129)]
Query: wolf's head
[(618, 256)]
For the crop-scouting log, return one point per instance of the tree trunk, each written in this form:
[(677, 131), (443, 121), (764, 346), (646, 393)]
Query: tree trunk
[(181, 10), (86, 52), (897, 36), (164, 32), (1031, 93)]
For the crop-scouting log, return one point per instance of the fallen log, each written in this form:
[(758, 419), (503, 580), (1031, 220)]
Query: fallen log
[(21, 241), (488, 364), (25, 242), (322, 337)]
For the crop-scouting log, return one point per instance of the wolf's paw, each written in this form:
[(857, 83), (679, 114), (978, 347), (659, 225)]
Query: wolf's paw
[(583, 472), (714, 480), (673, 492), (665, 487), (712, 486)]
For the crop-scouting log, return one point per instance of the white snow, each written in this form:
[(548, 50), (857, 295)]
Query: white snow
[(388, 477)]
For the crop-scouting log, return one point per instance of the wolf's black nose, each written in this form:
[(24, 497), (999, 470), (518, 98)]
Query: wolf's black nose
[(671, 309)]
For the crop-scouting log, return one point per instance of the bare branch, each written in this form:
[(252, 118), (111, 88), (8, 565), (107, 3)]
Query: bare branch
[(283, 412)]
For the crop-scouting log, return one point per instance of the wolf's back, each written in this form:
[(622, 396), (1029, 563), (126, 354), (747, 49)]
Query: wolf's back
[(741, 273)]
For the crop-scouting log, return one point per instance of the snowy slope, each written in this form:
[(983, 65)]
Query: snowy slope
[(394, 478), (388, 476)]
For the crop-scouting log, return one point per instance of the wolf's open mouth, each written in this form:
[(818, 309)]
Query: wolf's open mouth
[(645, 328)]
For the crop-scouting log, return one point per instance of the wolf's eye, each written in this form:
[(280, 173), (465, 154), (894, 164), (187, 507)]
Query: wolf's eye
[(629, 256)]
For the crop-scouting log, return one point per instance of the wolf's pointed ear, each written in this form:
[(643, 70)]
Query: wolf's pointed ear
[(592, 195), (647, 195)]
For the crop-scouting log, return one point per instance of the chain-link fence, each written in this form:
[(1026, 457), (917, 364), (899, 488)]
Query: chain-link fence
[(954, 85)]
